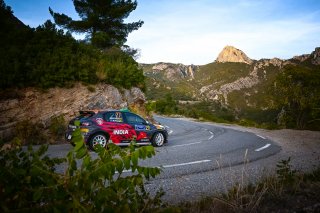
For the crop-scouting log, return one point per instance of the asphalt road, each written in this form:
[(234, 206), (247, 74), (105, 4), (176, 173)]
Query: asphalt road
[(195, 147), (200, 158)]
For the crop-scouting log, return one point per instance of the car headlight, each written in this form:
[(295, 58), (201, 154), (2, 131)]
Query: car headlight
[(158, 126)]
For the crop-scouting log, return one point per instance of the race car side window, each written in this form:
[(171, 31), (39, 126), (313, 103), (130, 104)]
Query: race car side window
[(134, 119), (113, 117)]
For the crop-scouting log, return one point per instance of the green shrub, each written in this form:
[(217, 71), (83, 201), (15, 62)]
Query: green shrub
[(166, 106), (91, 88), (29, 183), (150, 106), (246, 122), (47, 57), (118, 68), (285, 172), (27, 179), (30, 133), (57, 127)]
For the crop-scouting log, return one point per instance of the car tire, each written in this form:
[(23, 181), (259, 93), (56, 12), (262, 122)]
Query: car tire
[(158, 139), (99, 138)]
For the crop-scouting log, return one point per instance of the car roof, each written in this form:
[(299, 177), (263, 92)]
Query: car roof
[(94, 111)]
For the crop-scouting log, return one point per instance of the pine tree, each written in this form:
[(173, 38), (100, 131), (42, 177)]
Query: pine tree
[(101, 20)]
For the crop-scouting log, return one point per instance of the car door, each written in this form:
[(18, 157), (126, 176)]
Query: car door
[(119, 131), (140, 126)]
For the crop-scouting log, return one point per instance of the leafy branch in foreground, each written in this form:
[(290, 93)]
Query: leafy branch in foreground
[(29, 182)]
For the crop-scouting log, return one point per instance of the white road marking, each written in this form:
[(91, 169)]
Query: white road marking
[(212, 135), (175, 165), (262, 148), (170, 132), (261, 137), (187, 144), (185, 164)]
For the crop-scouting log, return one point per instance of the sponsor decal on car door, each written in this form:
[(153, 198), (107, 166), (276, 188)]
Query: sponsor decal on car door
[(119, 131)]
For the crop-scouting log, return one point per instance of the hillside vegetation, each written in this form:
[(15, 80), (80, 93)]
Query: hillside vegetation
[(46, 57)]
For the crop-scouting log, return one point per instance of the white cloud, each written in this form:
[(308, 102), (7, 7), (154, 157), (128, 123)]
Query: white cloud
[(196, 33)]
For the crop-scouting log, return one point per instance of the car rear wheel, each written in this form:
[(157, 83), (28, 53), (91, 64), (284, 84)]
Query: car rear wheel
[(98, 139), (158, 139)]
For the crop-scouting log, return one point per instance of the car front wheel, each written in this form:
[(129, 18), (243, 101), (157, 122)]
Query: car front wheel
[(158, 139)]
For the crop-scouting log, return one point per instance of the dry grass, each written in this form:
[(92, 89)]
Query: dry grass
[(288, 191)]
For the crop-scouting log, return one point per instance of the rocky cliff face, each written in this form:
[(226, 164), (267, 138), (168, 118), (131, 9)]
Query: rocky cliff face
[(232, 54), (315, 56), (301, 58), (40, 106), (174, 72), (244, 82), (258, 74)]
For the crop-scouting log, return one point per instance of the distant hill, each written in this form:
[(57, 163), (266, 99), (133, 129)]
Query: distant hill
[(221, 80), (233, 80)]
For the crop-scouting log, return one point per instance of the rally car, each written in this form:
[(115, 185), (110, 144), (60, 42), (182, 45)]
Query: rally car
[(118, 127)]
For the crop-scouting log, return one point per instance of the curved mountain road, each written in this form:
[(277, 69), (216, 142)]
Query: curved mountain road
[(196, 147)]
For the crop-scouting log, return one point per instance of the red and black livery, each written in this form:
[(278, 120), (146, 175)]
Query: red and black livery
[(117, 126)]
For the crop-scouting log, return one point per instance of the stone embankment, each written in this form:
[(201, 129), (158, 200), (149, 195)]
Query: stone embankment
[(38, 106)]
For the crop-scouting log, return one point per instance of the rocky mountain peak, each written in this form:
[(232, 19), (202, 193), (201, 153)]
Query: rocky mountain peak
[(232, 54), (316, 56)]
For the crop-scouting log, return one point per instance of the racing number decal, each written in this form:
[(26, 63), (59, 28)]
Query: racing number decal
[(116, 117)]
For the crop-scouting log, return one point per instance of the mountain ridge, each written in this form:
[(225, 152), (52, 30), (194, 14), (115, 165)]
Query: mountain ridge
[(232, 72)]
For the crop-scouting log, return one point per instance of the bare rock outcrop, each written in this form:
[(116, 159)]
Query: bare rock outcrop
[(315, 56), (160, 66), (175, 72), (244, 82), (301, 58), (38, 106), (232, 54)]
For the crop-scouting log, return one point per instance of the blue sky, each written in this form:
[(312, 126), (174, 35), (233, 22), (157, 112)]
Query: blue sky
[(195, 31)]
